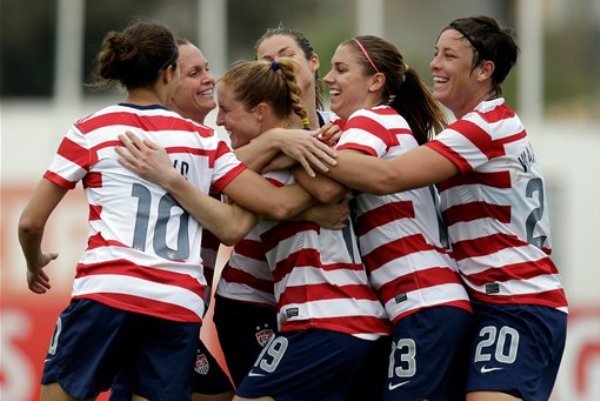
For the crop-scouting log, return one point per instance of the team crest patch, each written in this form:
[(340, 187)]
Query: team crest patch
[(262, 336), (201, 366)]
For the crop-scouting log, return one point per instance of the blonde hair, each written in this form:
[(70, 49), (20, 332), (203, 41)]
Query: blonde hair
[(273, 82)]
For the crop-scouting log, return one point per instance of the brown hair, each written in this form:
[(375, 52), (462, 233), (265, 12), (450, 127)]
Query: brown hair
[(135, 57), (273, 82), (304, 45), (404, 89), (489, 42)]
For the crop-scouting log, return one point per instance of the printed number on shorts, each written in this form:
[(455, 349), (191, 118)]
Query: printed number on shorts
[(159, 239), (274, 351), (503, 344), (407, 365), (54, 340)]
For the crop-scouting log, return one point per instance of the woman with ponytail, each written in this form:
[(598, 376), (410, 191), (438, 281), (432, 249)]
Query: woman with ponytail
[(386, 110)]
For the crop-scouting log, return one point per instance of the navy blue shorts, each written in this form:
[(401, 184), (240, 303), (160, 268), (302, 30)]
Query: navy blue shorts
[(428, 359), (371, 379), (516, 350), (306, 365), (92, 342), (207, 378), (243, 330)]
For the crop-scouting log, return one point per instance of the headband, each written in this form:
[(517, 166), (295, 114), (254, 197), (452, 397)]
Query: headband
[(362, 48)]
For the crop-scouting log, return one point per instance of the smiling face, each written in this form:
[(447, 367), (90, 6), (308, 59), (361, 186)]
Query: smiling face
[(350, 88), (277, 46), (194, 97), (455, 81), (241, 124)]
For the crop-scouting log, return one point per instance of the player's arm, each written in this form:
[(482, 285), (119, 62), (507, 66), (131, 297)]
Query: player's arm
[(32, 223), (417, 168), (301, 145)]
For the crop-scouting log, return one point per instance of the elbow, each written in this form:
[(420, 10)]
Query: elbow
[(330, 194), (231, 238), (29, 227)]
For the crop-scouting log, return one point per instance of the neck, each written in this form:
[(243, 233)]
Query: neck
[(311, 108), (490, 95), (144, 97)]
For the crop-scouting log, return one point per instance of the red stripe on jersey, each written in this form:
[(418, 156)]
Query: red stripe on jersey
[(360, 148), (222, 182), (128, 268), (461, 304), (320, 292), (145, 306), (499, 113), (449, 153), (58, 180), (75, 153), (347, 324), (515, 271), (92, 180), (97, 241), (553, 298), (284, 230), (148, 123), (398, 248), (94, 213), (251, 249), (485, 245), (475, 211), (500, 179), (233, 275), (479, 137), (384, 214), (365, 123), (417, 280), (308, 258)]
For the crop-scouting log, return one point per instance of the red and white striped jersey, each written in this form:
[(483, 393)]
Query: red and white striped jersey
[(402, 240), (247, 277), (320, 281), (143, 252), (496, 209)]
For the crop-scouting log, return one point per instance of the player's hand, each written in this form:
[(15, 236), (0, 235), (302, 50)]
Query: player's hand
[(145, 158), (38, 281), (329, 134), (332, 216), (304, 147)]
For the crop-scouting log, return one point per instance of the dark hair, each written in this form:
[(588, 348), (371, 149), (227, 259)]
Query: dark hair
[(404, 89), (273, 82), (306, 47), (135, 56), (490, 42)]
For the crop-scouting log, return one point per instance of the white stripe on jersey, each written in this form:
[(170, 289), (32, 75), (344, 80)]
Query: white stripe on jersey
[(426, 297), (541, 283), (120, 284), (309, 275)]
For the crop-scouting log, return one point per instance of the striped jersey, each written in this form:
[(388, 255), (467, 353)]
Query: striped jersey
[(247, 277), (143, 251), (402, 240), (496, 209), (320, 281)]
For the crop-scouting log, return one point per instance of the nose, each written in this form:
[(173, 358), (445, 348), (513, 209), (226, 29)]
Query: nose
[(434, 64), (220, 119), (328, 77)]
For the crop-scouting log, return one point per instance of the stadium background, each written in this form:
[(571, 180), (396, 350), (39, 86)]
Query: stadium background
[(46, 50)]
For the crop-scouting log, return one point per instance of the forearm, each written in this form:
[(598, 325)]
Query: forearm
[(254, 193), (229, 223), (322, 188), (30, 239), (259, 152)]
